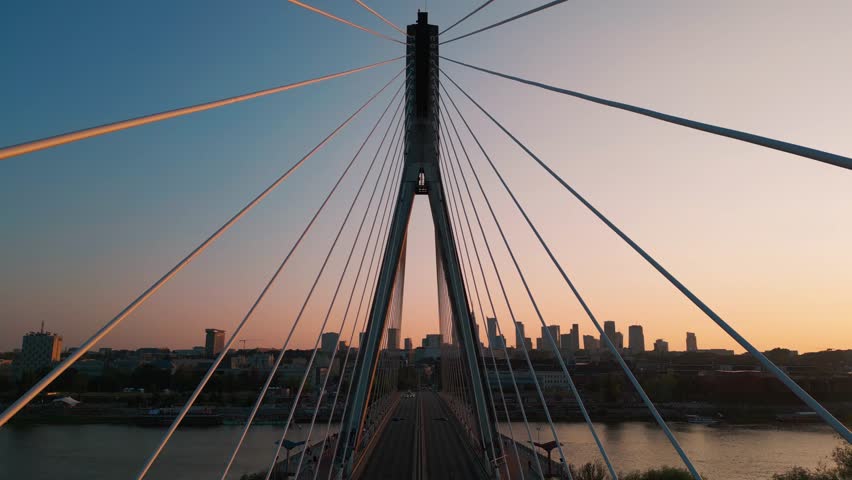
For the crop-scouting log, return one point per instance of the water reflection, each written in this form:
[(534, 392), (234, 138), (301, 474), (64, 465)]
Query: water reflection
[(91, 452)]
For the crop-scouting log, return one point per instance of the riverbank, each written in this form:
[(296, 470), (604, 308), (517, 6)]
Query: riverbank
[(717, 415)]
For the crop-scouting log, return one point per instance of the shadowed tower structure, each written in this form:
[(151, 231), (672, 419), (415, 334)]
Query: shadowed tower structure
[(421, 176)]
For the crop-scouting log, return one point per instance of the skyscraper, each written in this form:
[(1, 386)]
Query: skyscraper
[(39, 350), (432, 340), (492, 331), (691, 342), (214, 342), (408, 344), (609, 331), (661, 346), (393, 338), (329, 342), (636, 337), (519, 334), (565, 342), (573, 339), (619, 340), (590, 343), (554, 332)]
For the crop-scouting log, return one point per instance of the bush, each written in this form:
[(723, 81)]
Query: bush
[(842, 457), (598, 471), (664, 473), (253, 476), (842, 469), (590, 471), (799, 473)]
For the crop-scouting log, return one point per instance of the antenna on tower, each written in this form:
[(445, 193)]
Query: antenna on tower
[(42, 326)]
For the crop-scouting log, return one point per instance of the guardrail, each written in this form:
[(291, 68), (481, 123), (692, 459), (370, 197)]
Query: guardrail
[(358, 465)]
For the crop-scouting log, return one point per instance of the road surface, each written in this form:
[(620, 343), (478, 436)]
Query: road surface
[(393, 455), (448, 455), (422, 440)]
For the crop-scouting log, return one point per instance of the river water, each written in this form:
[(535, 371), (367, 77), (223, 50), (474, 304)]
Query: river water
[(93, 452)]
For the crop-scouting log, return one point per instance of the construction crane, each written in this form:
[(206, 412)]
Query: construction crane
[(244, 340)]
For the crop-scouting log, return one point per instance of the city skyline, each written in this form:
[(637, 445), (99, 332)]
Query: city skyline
[(213, 340), (95, 222)]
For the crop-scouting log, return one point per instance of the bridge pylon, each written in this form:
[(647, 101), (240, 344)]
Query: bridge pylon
[(421, 176)]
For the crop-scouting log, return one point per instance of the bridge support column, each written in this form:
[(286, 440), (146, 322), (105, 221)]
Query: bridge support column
[(421, 175)]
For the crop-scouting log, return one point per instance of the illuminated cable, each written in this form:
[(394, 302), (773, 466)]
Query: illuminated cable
[(380, 17), (258, 401), (366, 283), (41, 144), (366, 316), (88, 344), (387, 186), (344, 21), (325, 321), (536, 382)]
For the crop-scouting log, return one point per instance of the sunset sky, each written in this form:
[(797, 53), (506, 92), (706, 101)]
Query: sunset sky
[(763, 237)]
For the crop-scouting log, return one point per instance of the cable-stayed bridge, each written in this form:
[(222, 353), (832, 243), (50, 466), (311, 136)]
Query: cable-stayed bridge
[(427, 147)]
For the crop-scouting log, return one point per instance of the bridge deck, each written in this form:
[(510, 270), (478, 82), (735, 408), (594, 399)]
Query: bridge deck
[(424, 441), (393, 455), (421, 440)]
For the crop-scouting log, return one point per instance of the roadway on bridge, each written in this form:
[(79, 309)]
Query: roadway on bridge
[(448, 454), (393, 456), (435, 445)]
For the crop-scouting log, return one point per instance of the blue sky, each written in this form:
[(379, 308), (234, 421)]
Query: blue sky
[(761, 235)]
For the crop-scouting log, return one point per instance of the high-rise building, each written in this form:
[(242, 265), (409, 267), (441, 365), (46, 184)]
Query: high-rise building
[(575, 338), (570, 342), (565, 342), (554, 332), (619, 340), (609, 331), (636, 338), (408, 344), (528, 343), (661, 346), (329, 342), (691, 342), (491, 327), (393, 338), (214, 342), (39, 350), (520, 335), (432, 340), (590, 343)]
